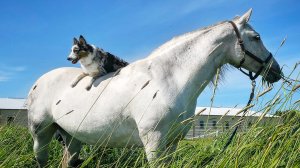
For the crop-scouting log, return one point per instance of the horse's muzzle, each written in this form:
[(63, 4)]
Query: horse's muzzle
[(274, 73)]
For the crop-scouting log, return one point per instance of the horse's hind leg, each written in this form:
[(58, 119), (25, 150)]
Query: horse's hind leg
[(72, 149), (42, 135)]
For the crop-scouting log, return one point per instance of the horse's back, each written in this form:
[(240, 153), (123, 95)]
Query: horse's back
[(47, 85)]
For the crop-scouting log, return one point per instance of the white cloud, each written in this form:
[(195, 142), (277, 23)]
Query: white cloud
[(3, 78), (8, 68), (9, 72), (19, 68)]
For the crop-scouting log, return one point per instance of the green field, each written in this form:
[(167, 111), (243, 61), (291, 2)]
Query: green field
[(267, 146)]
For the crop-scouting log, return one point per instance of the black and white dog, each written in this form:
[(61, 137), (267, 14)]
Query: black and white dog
[(94, 61)]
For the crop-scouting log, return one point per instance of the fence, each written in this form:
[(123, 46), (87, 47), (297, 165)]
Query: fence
[(210, 130)]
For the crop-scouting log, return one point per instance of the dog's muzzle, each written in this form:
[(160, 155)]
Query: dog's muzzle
[(74, 61)]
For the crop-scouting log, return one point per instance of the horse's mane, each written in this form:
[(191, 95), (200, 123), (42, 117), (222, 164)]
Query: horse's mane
[(184, 37), (220, 77), (188, 36)]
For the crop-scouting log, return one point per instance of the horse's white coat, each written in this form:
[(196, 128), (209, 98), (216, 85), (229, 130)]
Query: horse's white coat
[(126, 115)]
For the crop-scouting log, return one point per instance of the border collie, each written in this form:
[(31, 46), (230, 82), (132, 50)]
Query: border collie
[(94, 61)]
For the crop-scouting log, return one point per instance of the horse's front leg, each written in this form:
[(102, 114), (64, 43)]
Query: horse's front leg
[(155, 145), (78, 78)]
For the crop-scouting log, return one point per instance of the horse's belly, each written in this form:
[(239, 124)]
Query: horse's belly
[(104, 133), (104, 126)]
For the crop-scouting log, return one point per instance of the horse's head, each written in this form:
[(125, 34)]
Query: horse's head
[(80, 49), (250, 53)]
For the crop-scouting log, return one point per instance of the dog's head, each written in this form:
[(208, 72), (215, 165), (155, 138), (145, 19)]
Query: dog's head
[(80, 49)]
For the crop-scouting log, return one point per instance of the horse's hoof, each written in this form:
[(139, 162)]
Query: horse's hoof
[(77, 163)]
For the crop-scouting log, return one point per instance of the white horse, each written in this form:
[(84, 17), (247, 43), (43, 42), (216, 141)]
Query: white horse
[(144, 103)]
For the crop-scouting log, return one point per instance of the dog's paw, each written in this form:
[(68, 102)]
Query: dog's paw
[(73, 85), (88, 88)]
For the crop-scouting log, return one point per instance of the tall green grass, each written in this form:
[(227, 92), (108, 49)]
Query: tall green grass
[(265, 146)]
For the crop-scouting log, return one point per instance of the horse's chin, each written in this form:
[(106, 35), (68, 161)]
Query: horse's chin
[(272, 78), (274, 74)]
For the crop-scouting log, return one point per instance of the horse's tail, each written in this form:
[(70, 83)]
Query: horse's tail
[(30, 96)]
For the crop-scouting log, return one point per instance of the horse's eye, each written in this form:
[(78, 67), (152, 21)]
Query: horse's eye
[(257, 37)]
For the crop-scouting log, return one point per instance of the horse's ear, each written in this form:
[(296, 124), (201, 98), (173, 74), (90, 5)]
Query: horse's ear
[(245, 18), (82, 41), (75, 41), (236, 18)]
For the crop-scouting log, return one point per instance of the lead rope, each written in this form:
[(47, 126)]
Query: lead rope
[(253, 83)]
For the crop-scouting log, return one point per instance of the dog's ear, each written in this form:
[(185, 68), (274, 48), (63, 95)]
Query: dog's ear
[(75, 41), (82, 40)]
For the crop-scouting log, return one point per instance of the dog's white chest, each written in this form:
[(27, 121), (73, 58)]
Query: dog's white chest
[(90, 66), (91, 69)]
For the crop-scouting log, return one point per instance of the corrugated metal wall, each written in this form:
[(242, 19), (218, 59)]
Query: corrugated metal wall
[(16, 117)]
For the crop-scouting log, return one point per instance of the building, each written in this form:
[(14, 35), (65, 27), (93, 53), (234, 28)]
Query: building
[(212, 121), (13, 111)]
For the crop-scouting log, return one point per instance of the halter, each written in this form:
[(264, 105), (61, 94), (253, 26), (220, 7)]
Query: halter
[(250, 75), (248, 53)]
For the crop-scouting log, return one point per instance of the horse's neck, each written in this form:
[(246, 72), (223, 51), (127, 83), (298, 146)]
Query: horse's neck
[(193, 63)]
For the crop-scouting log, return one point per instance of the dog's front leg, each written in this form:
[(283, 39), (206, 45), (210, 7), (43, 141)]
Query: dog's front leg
[(74, 83), (88, 87)]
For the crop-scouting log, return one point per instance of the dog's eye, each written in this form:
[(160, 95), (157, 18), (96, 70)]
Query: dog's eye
[(75, 50), (257, 37)]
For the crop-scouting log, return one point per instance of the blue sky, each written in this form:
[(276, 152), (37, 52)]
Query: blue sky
[(36, 36)]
